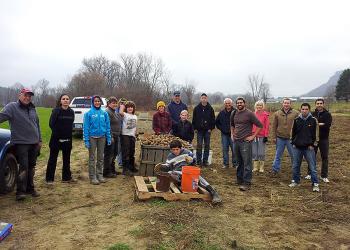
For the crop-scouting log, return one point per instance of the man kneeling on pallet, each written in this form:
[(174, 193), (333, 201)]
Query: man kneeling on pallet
[(178, 158)]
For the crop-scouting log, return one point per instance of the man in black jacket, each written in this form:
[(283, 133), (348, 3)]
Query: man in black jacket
[(304, 139), (324, 119), (203, 122), (224, 125)]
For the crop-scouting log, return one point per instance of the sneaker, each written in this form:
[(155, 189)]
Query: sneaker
[(94, 182), (293, 184), (225, 166), (244, 187), (308, 177), (102, 180), (20, 197), (315, 188), (325, 180)]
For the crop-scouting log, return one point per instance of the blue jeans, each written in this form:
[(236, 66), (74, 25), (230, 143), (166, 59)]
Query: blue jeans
[(281, 143), (203, 136), (243, 152), (310, 157), (227, 143)]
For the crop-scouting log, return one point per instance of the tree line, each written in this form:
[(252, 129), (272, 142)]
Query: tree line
[(144, 79)]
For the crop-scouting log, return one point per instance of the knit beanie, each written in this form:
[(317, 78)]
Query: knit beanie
[(160, 103)]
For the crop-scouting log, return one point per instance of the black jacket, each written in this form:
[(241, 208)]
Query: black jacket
[(326, 118), (203, 117), (223, 121), (184, 130), (304, 132), (61, 123)]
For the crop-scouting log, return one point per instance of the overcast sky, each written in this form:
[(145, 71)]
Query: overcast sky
[(296, 45)]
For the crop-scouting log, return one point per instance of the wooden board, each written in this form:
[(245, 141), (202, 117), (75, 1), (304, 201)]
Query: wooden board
[(146, 189)]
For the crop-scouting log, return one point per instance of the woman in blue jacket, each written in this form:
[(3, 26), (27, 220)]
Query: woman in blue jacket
[(96, 131)]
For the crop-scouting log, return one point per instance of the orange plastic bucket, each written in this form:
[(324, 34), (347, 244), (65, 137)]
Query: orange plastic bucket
[(190, 179)]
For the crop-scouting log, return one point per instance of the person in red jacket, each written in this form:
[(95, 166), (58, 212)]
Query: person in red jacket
[(259, 142), (161, 120)]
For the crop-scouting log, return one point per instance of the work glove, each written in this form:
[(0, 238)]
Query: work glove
[(87, 144), (189, 159)]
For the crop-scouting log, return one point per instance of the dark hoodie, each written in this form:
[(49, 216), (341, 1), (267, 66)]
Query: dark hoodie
[(304, 131), (203, 117), (326, 118)]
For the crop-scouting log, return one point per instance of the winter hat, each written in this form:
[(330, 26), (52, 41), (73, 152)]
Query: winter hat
[(160, 103)]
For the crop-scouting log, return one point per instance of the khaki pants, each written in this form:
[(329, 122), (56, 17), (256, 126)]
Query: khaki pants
[(99, 144)]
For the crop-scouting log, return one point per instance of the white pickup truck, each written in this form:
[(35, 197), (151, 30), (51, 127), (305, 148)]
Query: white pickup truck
[(80, 106)]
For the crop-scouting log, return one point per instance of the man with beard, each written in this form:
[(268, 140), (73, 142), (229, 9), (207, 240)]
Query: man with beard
[(241, 131)]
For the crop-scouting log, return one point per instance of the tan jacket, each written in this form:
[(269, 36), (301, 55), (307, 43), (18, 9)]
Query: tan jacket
[(282, 123)]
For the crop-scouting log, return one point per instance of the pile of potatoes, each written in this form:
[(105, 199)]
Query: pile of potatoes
[(162, 140)]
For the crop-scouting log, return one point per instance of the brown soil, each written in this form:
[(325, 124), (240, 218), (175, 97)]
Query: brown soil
[(270, 215)]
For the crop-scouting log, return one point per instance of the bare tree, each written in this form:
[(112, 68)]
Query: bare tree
[(110, 70), (265, 92), (86, 84), (258, 88), (188, 91)]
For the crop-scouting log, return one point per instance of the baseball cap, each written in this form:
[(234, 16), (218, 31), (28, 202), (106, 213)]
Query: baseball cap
[(176, 92), (27, 90), (204, 94)]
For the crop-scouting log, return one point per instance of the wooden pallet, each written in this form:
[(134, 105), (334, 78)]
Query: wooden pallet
[(146, 189)]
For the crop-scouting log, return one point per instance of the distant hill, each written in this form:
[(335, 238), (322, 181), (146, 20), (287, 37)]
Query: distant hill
[(323, 89)]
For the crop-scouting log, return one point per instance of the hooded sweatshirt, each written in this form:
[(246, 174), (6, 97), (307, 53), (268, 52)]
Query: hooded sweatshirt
[(304, 132), (263, 117), (326, 118), (96, 124)]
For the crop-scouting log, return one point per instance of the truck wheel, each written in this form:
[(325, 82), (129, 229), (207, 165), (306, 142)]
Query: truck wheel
[(8, 174)]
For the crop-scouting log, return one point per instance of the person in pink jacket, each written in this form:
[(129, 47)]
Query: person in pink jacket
[(258, 147)]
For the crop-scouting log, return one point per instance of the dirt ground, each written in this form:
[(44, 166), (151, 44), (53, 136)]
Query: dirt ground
[(269, 216)]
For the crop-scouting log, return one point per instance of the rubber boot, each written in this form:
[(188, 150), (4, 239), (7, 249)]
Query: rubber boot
[(216, 199), (255, 166), (261, 166)]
